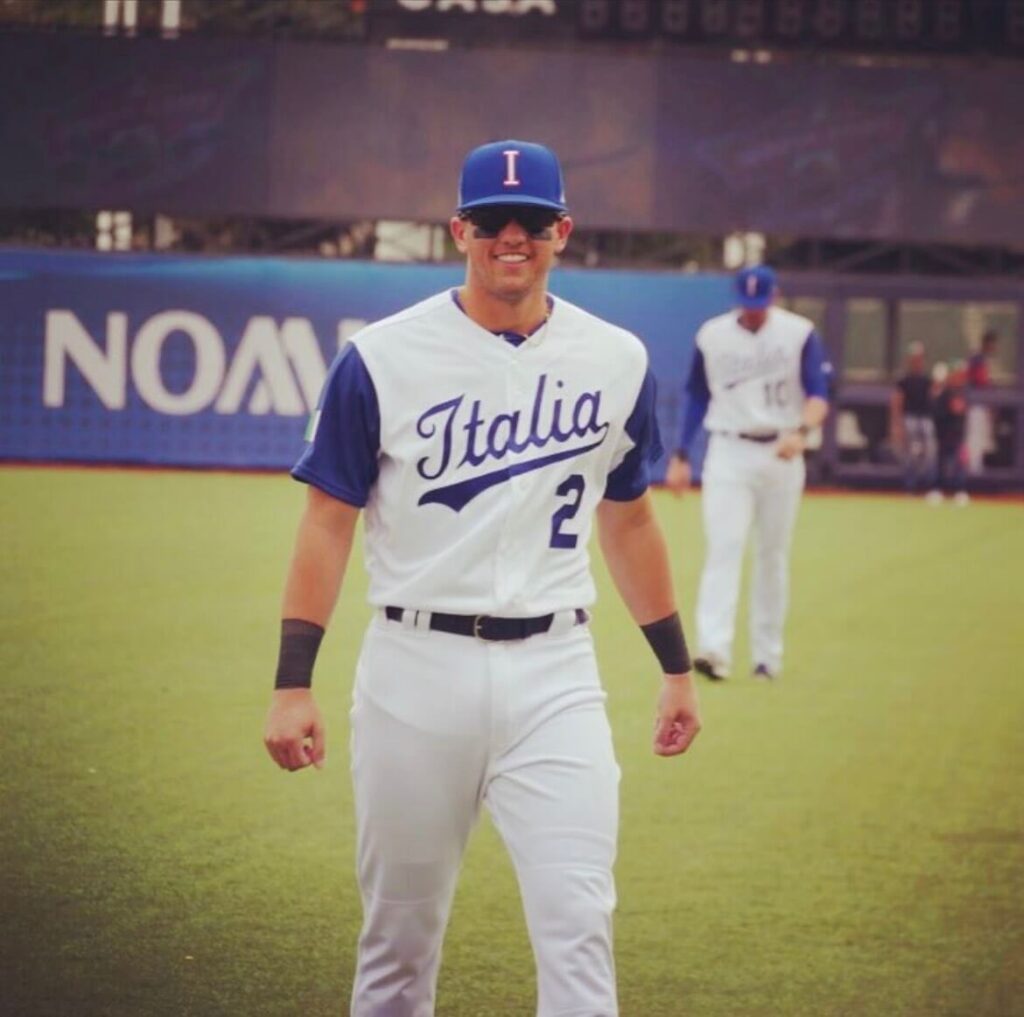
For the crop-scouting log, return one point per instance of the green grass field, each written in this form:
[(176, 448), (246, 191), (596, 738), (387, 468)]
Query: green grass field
[(848, 841)]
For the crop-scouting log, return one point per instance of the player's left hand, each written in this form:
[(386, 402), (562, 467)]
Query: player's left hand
[(294, 731), (678, 719), (790, 445)]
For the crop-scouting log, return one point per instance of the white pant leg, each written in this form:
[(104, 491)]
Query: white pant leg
[(977, 437), (727, 501), (919, 465), (553, 795), (777, 501), (419, 751)]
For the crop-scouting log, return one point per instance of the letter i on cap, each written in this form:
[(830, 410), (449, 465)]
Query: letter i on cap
[(755, 287), (511, 173)]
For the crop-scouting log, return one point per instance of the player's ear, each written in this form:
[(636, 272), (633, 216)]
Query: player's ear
[(459, 228), (562, 230)]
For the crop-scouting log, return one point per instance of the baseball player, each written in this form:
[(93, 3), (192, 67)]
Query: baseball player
[(482, 431), (759, 384)]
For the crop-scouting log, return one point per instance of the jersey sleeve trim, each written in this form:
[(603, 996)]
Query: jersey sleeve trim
[(342, 455), (632, 476), (815, 369), (697, 397), (304, 475)]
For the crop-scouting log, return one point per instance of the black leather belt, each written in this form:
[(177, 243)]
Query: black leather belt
[(759, 436), (486, 626)]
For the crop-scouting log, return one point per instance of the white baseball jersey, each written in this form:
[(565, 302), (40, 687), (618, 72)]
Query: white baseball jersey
[(757, 381), (480, 463)]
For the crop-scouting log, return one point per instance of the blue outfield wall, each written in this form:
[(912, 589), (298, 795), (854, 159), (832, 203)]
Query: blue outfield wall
[(189, 361)]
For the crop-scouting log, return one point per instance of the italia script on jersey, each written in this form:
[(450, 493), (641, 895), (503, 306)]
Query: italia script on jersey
[(461, 433)]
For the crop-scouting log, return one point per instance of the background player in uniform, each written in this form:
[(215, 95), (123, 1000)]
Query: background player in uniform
[(482, 430), (759, 383)]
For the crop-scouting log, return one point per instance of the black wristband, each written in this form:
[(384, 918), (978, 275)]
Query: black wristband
[(300, 641), (669, 644)]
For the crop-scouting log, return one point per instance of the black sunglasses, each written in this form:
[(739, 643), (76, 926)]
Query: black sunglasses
[(490, 220)]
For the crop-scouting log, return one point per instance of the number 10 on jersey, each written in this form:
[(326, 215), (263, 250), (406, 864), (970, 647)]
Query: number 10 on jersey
[(776, 393)]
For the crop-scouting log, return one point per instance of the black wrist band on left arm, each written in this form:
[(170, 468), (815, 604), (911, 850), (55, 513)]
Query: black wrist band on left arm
[(300, 642), (669, 644)]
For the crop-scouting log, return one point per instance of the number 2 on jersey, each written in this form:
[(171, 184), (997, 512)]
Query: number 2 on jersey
[(572, 489)]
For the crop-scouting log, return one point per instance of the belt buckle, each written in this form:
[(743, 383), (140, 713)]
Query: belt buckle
[(478, 621)]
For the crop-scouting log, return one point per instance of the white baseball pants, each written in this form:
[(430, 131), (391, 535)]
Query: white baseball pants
[(442, 724), (744, 485)]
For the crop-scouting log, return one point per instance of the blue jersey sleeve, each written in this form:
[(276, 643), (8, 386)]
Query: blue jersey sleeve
[(815, 369), (697, 397), (341, 457), (632, 476)]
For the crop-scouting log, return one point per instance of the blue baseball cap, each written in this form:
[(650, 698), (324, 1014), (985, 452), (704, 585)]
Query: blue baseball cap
[(511, 173), (755, 287)]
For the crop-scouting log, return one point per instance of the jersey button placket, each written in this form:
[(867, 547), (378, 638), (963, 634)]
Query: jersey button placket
[(518, 392), (504, 552)]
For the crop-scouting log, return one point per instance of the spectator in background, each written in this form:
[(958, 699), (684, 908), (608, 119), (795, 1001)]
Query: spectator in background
[(911, 424), (950, 408), (980, 429)]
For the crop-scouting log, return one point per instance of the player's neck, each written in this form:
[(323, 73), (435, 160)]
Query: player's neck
[(753, 320), (497, 315)]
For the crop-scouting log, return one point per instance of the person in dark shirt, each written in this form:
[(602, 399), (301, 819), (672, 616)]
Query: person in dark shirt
[(911, 424), (950, 409)]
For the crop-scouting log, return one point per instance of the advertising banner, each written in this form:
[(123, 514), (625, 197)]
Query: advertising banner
[(203, 362)]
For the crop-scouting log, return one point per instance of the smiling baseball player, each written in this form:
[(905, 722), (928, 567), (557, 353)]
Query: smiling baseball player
[(759, 384), (482, 431)]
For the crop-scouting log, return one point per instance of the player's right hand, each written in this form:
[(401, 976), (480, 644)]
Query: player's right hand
[(294, 731), (677, 476), (790, 445), (677, 721)]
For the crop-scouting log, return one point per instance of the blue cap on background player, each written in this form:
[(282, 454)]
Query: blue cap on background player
[(755, 287), (511, 173)]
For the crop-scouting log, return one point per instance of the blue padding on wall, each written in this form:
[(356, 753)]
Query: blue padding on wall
[(191, 361)]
